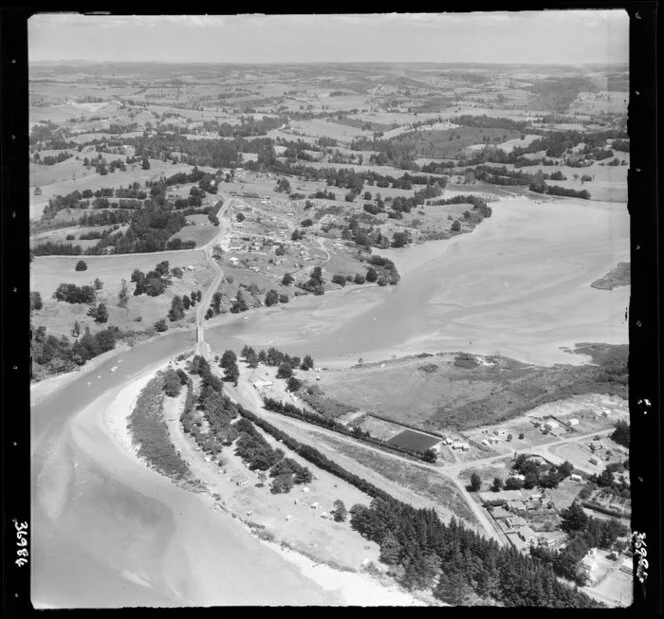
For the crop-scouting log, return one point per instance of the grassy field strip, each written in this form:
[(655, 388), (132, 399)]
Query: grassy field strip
[(378, 467)]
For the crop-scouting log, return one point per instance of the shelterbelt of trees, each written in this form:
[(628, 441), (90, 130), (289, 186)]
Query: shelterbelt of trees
[(289, 410)]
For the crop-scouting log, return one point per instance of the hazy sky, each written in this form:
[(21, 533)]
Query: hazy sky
[(560, 37)]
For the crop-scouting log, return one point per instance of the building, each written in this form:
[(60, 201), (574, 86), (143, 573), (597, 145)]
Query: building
[(516, 506), (574, 422), (527, 535), (551, 425), (515, 522), (516, 541), (575, 477)]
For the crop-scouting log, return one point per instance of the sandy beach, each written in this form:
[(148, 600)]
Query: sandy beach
[(194, 570)]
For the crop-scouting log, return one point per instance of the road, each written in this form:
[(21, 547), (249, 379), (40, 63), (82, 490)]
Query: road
[(248, 397), (201, 347), (322, 248)]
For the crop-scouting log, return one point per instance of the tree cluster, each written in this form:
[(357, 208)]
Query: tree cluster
[(71, 293), (457, 563), (59, 355)]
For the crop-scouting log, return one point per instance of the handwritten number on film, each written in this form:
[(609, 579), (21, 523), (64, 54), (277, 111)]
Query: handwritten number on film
[(22, 542), (639, 540)]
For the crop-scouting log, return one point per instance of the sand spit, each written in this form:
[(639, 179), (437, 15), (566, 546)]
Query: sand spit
[(208, 568)]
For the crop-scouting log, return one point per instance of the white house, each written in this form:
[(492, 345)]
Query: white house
[(551, 425), (574, 422), (575, 477)]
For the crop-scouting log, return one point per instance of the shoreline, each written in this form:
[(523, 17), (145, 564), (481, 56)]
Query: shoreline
[(352, 586)]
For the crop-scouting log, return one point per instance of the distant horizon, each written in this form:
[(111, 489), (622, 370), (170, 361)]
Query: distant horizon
[(340, 62), (536, 37)]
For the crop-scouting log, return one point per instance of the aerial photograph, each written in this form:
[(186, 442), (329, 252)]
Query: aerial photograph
[(330, 310)]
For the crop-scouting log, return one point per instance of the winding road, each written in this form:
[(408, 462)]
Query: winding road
[(201, 347)]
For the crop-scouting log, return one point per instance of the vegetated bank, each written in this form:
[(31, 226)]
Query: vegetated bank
[(461, 391)]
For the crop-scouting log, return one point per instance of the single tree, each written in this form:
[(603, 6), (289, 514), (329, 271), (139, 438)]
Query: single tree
[(216, 303), (161, 325), (172, 384), (284, 371), (294, 384), (271, 298), (228, 359), (340, 511), (317, 274), (137, 275), (232, 374), (475, 482), (307, 363), (497, 484), (573, 518), (177, 309), (339, 279), (287, 280), (101, 314), (123, 295), (81, 266), (430, 455)]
